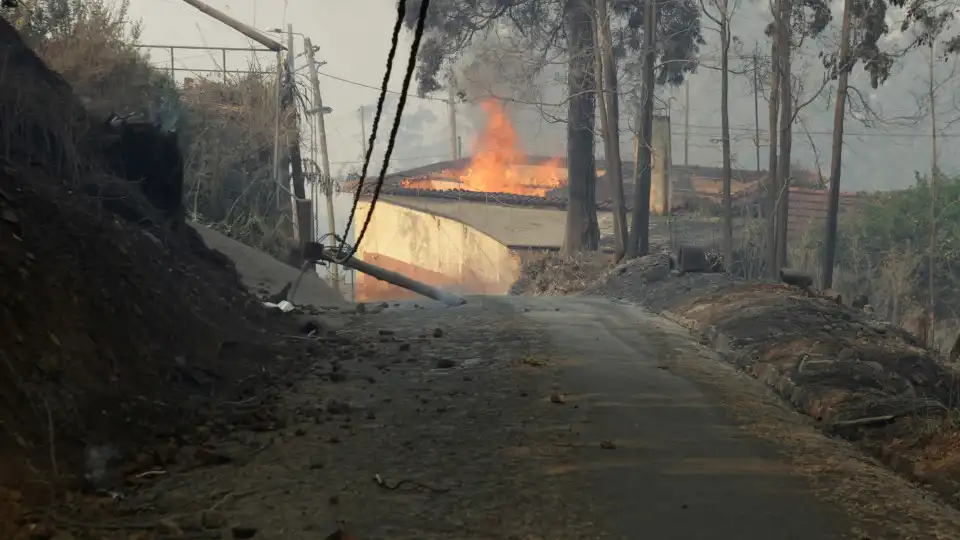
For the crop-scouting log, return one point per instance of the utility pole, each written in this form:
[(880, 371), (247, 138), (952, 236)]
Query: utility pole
[(686, 122), (452, 104), (934, 173), (756, 103), (327, 177), (286, 99), (933, 113), (363, 134), (302, 209), (291, 60)]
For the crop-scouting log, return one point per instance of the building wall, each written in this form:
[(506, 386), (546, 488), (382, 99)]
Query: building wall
[(439, 251)]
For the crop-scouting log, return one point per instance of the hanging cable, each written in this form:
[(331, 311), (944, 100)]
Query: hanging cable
[(408, 76), (394, 42)]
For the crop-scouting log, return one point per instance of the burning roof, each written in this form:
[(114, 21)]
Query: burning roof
[(500, 171)]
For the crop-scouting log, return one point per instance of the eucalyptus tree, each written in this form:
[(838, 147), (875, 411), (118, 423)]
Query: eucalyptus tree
[(547, 27)]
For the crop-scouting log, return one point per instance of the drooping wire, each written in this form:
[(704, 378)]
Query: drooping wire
[(411, 64), (408, 77), (394, 42)]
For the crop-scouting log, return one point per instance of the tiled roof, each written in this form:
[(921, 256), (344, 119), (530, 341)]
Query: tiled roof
[(808, 208)]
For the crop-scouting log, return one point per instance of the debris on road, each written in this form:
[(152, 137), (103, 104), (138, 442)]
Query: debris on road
[(283, 306), (554, 274)]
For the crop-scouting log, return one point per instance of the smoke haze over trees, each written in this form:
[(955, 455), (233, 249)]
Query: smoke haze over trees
[(887, 136)]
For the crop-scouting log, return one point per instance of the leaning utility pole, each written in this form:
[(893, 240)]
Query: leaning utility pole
[(324, 157), (244, 29)]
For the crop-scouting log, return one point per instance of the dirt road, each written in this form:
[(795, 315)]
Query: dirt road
[(535, 418)]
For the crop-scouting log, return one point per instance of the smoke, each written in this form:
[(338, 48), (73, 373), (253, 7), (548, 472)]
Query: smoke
[(531, 85)]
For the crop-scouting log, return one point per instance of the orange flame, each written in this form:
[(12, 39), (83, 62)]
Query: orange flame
[(498, 165)]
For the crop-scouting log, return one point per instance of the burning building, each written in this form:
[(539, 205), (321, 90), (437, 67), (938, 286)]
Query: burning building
[(465, 225), (498, 164)]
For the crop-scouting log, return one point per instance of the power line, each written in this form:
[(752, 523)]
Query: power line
[(394, 41), (408, 76), (363, 85), (408, 158), (751, 130)]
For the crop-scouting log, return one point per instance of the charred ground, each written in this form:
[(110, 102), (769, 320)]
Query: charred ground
[(118, 327)]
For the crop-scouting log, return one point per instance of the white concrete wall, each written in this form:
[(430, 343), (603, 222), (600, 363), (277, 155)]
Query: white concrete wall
[(437, 250)]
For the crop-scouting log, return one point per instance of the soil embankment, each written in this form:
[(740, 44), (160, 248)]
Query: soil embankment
[(122, 336)]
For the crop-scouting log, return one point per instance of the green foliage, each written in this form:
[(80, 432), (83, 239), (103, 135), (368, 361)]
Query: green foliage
[(41, 21), (542, 26), (899, 222)]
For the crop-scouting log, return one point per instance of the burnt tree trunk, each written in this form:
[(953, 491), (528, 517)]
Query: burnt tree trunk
[(725, 132), (773, 185), (582, 230), (786, 131), (640, 229), (610, 119), (833, 211)]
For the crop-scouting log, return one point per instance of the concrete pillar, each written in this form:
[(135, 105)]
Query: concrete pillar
[(660, 185)]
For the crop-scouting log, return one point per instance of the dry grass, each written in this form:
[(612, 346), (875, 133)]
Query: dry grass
[(229, 131), (894, 287), (227, 127)]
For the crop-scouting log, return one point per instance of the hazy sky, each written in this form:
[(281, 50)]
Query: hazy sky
[(354, 39)]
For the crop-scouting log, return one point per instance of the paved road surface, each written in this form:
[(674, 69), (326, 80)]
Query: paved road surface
[(682, 468), (653, 438)]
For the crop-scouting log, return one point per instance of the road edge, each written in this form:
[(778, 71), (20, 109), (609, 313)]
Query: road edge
[(800, 400)]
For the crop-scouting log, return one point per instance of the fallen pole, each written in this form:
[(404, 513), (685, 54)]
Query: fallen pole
[(317, 252)]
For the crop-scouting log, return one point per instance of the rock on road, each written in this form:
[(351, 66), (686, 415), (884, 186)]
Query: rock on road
[(559, 418)]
